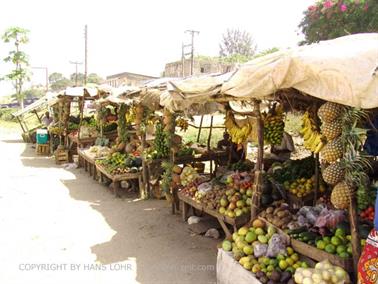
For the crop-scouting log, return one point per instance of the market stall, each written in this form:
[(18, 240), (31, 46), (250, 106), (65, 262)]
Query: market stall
[(321, 82), (30, 118)]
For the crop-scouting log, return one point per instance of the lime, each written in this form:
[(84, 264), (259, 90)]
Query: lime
[(294, 257), (336, 241), (344, 254), (304, 265), (340, 249), (330, 248), (320, 244), (283, 264), (340, 232), (289, 250), (349, 249), (327, 240)]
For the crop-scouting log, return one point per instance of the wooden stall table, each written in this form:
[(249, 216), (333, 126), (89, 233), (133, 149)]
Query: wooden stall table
[(88, 162), (116, 179), (187, 203), (88, 141)]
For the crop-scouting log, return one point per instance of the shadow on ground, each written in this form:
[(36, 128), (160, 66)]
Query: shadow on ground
[(147, 231)]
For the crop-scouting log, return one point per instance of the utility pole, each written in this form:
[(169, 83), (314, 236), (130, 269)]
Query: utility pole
[(192, 32), (86, 54), (76, 63)]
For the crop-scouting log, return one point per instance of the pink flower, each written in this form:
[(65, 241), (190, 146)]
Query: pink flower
[(312, 8), (328, 4), (343, 8), (366, 7)]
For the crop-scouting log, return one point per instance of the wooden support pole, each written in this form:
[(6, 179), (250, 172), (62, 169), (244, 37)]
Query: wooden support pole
[(81, 113), (210, 133), (39, 118), (356, 244), (259, 163), (146, 183), (317, 179), (199, 129)]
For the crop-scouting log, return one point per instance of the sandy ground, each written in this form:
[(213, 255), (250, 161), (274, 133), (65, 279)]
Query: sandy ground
[(60, 226)]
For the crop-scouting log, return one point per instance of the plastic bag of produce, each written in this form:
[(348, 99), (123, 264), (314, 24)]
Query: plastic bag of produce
[(329, 218), (259, 249), (276, 246), (205, 187), (324, 272)]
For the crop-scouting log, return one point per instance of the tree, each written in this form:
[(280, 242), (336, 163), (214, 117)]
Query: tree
[(237, 45), (94, 78), (17, 36), (328, 19), (58, 82), (79, 81)]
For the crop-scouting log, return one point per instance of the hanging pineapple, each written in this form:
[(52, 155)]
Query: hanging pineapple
[(341, 195), (329, 112), (332, 151), (333, 173)]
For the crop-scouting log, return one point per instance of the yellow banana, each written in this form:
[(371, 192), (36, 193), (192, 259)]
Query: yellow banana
[(319, 147)]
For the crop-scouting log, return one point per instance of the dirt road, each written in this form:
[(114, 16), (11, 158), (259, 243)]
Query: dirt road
[(60, 226)]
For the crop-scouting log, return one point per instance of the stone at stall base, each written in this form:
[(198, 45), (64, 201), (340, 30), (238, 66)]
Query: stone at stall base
[(193, 220), (212, 233)]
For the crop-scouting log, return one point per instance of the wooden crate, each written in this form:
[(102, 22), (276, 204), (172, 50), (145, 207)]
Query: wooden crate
[(298, 202), (61, 156), (319, 255), (42, 149)]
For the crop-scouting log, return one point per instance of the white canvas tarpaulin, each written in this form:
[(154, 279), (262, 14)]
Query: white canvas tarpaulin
[(229, 271), (343, 70)]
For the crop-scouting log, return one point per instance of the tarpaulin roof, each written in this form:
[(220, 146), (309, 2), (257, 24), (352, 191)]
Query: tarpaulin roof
[(47, 100), (343, 70), (90, 90)]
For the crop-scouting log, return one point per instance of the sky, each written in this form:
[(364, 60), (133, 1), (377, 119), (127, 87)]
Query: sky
[(139, 36)]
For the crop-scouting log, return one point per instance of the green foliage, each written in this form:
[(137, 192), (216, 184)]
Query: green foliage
[(94, 79), (236, 42), (17, 36), (328, 19), (6, 114), (58, 82), (266, 52)]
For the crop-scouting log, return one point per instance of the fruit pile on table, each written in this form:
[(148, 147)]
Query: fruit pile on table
[(261, 250)]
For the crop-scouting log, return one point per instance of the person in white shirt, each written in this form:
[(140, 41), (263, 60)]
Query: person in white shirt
[(47, 120)]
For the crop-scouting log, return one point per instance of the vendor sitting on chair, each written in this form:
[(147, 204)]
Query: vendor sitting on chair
[(237, 150), (282, 152)]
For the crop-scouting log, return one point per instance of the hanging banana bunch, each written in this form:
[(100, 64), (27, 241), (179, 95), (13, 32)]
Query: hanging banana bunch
[(274, 125), (312, 137), (182, 123), (238, 134)]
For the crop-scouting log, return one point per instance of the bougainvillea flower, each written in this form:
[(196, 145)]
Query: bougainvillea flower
[(343, 8), (312, 8), (328, 4)]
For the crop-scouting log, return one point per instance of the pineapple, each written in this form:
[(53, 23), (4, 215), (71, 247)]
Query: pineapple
[(332, 151), (333, 173), (332, 130), (328, 112), (341, 195)]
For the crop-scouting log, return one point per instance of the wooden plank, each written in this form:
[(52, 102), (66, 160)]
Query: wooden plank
[(356, 244), (319, 255)]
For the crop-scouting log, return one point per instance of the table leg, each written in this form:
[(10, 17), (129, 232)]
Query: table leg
[(94, 172), (224, 227), (85, 165), (185, 210), (116, 186), (142, 190)]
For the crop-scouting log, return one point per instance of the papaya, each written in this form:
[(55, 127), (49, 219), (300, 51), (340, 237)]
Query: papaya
[(176, 169)]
